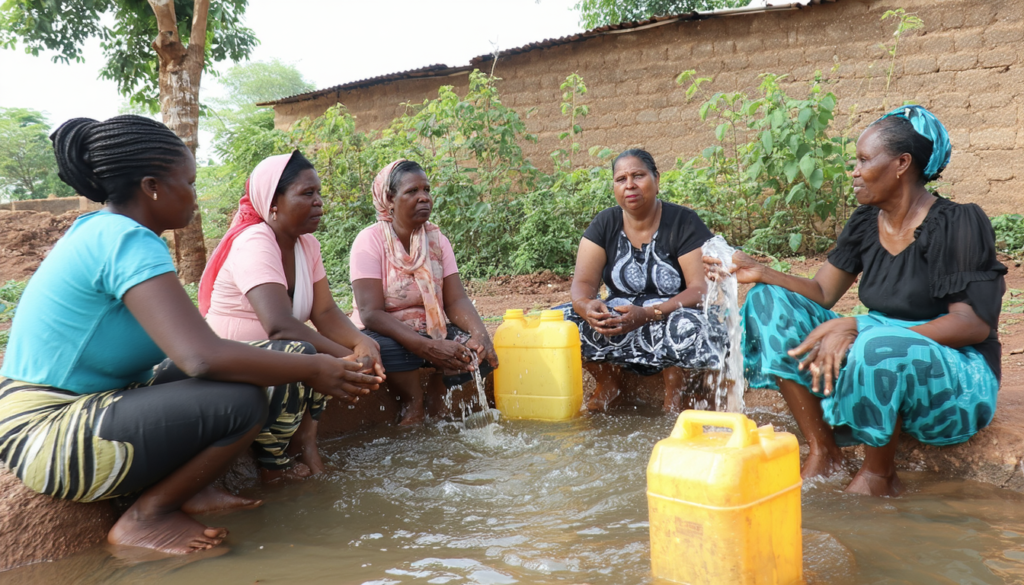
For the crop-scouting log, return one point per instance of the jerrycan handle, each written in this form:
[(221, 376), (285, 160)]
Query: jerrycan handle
[(691, 423)]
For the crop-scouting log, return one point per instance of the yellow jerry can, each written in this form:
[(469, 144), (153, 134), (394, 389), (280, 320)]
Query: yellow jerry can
[(540, 371), (725, 507)]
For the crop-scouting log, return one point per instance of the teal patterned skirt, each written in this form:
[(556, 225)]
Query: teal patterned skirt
[(943, 395)]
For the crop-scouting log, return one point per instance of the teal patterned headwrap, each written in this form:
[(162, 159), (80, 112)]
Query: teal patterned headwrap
[(927, 125)]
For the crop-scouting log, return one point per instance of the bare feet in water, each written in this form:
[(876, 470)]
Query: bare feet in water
[(173, 533), (295, 472), (215, 499), (602, 399), (872, 484), (822, 463), (303, 447), (413, 414)]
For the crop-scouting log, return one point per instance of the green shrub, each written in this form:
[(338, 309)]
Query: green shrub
[(1009, 230), (776, 182)]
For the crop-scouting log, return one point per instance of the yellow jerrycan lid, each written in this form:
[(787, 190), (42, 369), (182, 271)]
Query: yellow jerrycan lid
[(723, 469)]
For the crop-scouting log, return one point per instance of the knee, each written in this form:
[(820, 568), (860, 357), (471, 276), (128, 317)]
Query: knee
[(249, 405), (301, 347)]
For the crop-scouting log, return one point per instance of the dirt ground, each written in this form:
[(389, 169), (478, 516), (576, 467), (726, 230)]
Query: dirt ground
[(994, 455)]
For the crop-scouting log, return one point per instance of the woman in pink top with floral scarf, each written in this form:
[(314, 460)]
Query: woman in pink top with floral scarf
[(407, 288), (264, 281)]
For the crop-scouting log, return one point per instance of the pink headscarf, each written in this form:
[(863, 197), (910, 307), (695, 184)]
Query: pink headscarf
[(253, 208), (411, 268)]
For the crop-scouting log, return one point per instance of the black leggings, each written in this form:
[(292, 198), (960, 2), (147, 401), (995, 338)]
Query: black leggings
[(171, 422)]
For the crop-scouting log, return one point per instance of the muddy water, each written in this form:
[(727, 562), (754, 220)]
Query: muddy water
[(524, 502)]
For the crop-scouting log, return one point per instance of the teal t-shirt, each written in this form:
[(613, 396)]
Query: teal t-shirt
[(72, 330)]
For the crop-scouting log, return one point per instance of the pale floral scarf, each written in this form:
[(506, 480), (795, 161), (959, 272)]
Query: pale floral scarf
[(406, 270)]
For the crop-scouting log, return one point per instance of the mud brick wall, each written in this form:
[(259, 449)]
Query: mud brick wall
[(966, 64)]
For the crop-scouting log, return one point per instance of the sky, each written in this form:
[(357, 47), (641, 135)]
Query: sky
[(330, 41)]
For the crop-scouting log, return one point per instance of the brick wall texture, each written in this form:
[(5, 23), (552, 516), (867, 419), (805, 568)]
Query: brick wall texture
[(966, 65)]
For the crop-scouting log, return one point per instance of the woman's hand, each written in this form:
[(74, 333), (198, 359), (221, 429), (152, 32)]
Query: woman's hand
[(449, 355), (826, 349), (367, 352), (484, 350), (595, 313), (629, 317), (746, 269), (341, 378)]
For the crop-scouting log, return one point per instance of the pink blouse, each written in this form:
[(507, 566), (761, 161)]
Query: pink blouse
[(368, 261), (255, 259)]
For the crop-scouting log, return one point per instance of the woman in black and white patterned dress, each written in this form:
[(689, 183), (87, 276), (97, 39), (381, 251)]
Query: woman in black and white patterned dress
[(648, 253)]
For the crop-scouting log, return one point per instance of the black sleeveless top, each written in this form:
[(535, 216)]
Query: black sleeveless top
[(951, 260)]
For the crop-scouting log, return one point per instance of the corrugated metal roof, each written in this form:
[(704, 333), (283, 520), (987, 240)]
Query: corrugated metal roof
[(622, 27), (439, 70)]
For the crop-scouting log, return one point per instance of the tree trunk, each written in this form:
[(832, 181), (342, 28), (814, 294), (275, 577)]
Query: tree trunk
[(180, 71)]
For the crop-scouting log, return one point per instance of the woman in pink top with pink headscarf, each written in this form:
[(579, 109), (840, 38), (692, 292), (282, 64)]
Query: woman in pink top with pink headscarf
[(264, 281), (407, 288)]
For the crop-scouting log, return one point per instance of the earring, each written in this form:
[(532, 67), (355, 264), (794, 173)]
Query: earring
[(897, 176), (391, 211), (273, 216), (154, 194)]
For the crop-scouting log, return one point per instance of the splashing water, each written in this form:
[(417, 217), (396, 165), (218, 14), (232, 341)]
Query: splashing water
[(721, 306), (486, 416)]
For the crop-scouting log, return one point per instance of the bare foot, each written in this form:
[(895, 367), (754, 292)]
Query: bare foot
[(413, 414), (304, 449), (872, 484), (823, 463), (215, 499), (310, 456), (298, 471), (173, 533), (602, 399)]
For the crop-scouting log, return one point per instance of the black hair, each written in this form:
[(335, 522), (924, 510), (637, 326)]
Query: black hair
[(641, 155), (898, 136), (106, 161), (400, 170), (296, 164)]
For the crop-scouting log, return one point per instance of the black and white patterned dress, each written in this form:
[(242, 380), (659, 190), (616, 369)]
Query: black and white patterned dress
[(647, 276)]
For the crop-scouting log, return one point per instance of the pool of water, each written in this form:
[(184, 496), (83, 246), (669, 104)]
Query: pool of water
[(531, 502)]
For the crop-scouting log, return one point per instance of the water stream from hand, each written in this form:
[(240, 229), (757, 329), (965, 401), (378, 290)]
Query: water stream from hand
[(721, 305)]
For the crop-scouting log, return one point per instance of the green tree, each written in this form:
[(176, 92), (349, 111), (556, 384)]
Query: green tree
[(243, 134), (156, 51), (28, 169), (595, 13)]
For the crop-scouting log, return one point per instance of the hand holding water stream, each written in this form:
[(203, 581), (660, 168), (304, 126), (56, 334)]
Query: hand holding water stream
[(746, 269), (484, 350)]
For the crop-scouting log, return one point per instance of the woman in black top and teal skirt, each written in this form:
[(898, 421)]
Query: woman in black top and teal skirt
[(925, 359), (648, 254)]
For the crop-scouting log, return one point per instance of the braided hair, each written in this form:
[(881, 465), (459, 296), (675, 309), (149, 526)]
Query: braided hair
[(106, 161), (400, 170)]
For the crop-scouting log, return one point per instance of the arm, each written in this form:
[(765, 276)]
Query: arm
[(166, 313), (339, 336), (586, 281), (461, 312), (369, 293), (827, 345), (958, 328), (826, 288)]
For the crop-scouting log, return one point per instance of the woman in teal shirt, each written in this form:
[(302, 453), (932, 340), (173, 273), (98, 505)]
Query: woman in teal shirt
[(85, 414)]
